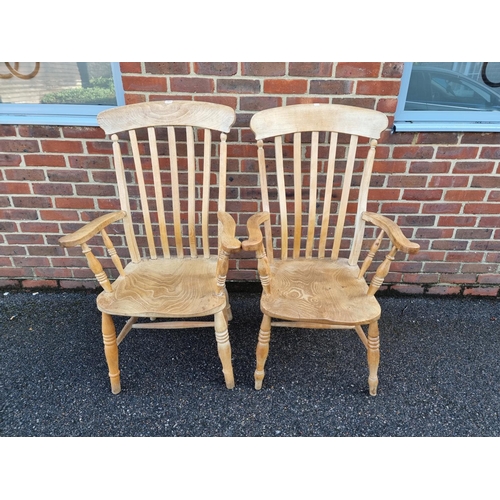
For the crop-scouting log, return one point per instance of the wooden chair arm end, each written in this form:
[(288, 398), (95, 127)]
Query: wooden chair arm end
[(229, 242), (90, 229), (393, 231), (254, 233)]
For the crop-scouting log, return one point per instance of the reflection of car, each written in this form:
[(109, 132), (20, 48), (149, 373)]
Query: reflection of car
[(435, 89)]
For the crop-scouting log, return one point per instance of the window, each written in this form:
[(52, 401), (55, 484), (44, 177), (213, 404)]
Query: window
[(58, 93), (463, 97)]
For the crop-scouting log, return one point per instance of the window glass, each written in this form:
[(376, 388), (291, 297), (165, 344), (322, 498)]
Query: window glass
[(58, 92), (449, 96)]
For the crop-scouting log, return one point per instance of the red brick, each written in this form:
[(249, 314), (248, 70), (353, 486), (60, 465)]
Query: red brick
[(144, 84), (465, 195), (473, 167), (482, 291), (482, 208), (413, 152), (489, 279), (39, 131), (8, 160), (446, 181), (378, 87), (422, 194), (89, 162), (489, 221), (31, 202), (258, 103), (59, 215), (490, 153), (263, 68), (282, 86), (384, 194), (95, 190), (361, 102), (50, 189), (67, 175), (61, 146), (238, 86), (19, 146), (216, 68), (400, 208), (83, 132), (311, 69), (39, 283), (168, 68), (136, 98), (464, 256), (39, 227), (480, 138), (441, 208), (438, 138), (130, 67), (457, 221), (331, 87), (192, 85), (387, 105), (15, 188), (78, 203), (429, 167), (392, 70), (357, 70), (444, 290), (456, 152), (485, 181), (7, 130), (45, 160), (407, 181), (389, 167)]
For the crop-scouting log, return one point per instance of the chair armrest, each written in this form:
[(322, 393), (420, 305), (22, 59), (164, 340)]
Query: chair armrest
[(90, 229), (254, 233), (399, 240), (228, 242)]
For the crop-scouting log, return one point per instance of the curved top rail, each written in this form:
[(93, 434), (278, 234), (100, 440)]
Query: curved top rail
[(167, 113), (318, 117)]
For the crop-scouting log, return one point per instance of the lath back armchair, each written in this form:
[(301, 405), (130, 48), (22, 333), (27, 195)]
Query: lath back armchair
[(315, 165), (170, 160)]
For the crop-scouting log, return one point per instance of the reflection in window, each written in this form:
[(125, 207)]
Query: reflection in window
[(57, 83), (449, 96)]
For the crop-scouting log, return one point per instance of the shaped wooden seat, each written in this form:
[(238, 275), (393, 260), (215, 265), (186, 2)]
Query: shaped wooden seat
[(171, 178), (315, 170)]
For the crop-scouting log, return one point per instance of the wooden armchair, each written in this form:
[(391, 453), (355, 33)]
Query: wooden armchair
[(314, 187), (169, 184)]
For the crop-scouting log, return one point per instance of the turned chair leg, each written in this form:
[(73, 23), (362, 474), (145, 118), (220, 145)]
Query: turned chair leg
[(224, 348), (262, 350), (111, 351), (373, 357)]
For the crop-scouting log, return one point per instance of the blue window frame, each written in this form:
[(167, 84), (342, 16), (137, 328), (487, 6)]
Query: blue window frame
[(58, 93), (451, 96)]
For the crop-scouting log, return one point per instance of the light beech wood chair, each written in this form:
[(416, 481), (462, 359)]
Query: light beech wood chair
[(171, 178), (315, 164)]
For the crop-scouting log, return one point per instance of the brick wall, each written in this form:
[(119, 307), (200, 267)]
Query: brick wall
[(442, 188)]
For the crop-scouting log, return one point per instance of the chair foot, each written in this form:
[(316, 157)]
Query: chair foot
[(259, 378), (373, 384)]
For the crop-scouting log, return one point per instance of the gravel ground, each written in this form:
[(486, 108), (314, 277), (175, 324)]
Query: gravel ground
[(439, 374)]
